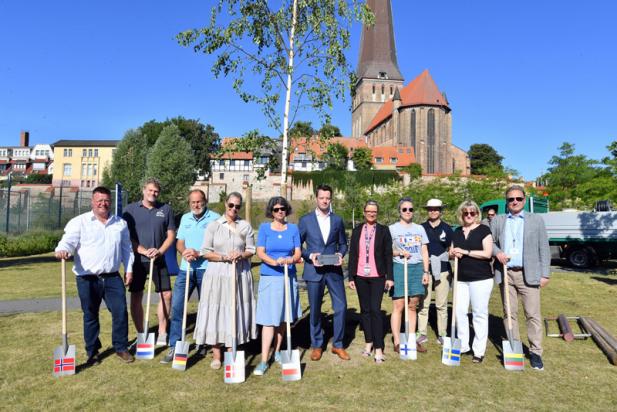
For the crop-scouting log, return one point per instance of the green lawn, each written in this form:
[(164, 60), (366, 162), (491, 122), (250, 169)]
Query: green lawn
[(577, 374)]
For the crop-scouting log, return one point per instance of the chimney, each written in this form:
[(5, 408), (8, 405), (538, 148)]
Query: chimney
[(24, 139)]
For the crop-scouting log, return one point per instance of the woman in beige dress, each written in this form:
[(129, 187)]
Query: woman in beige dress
[(226, 240)]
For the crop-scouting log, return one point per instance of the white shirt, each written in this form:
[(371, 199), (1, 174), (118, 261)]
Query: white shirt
[(324, 224), (98, 248)]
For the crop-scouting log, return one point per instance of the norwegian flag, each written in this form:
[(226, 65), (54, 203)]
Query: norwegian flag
[(64, 364)]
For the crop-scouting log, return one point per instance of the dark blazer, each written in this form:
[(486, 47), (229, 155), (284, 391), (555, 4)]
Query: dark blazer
[(312, 242), (383, 251)]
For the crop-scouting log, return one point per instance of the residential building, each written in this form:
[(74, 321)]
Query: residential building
[(25, 160), (80, 163)]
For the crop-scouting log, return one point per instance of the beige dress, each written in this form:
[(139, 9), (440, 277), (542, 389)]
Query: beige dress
[(213, 325)]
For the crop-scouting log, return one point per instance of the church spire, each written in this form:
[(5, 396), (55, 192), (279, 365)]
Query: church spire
[(377, 47)]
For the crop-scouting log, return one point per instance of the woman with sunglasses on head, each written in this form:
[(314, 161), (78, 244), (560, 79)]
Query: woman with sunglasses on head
[(228, 239), (472, 244), (409, 241), (278, 244), (370, 273)]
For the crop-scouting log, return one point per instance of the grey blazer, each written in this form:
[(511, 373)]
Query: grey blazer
[(536, 250)]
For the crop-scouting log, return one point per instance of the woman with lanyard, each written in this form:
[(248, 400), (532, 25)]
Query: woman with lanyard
[(410, 245), (278, 244), (473, 246), (226, 240), (370, 272)]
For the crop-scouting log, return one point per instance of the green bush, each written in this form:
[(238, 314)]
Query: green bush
[(29, 243)]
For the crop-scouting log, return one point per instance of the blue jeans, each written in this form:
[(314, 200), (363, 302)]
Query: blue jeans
[(92, 290), (177, 301)]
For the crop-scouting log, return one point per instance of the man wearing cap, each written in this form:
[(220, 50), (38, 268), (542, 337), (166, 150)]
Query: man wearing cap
[(440, 238), (521, 245), (190, 238)]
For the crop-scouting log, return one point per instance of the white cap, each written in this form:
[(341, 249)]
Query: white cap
[(434, 203)]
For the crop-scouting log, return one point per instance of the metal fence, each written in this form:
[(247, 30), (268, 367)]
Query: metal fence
[(43, 209)]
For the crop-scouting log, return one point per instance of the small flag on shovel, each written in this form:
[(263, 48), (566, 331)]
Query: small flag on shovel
[(407, 348), (64, 355), (451, 354), (145, 340), (290, 359), (181, 352), (513, 358), (234, 361)]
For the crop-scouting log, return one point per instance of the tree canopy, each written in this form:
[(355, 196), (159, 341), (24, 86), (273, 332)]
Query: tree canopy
[(128, 164), (362, 158), (329, 130), (484, 159), (336, 156), (301, 129)]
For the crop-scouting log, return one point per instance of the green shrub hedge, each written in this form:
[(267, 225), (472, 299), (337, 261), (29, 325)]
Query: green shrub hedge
[(29, 243)]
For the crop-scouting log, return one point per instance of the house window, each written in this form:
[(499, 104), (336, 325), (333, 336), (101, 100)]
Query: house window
[(379, 160), (84, 153), (83, 169), (96, 152), (89, 152), (221, 176), (245, 178), (232, 163), (393, 160), (68, 152), (67, 169), (83, 183), (89, 170), (247, 163), (94, 170)]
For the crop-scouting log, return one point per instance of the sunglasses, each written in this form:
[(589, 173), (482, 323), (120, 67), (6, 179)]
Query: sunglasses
[(407, 209), (433, 209), (233, 205), (279, 209), (472, 214), (518, 199)]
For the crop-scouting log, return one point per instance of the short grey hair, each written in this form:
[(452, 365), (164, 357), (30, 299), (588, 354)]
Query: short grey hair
[(515, 187), (152, 181), (234, 194), (371, 203)]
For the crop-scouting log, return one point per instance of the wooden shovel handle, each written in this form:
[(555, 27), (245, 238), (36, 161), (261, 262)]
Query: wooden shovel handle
[(455, 281), (63, 275), (147, 315), (506, 292), (405, 271), (186, 299)]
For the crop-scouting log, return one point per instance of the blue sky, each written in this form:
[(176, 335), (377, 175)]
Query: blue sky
[(521, 76)]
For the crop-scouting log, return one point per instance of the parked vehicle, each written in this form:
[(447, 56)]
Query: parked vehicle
[(584, 239)]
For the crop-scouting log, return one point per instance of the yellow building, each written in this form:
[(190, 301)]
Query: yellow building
[(80, 163)]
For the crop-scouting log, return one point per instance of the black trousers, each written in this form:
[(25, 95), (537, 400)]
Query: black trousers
[(370, 294)]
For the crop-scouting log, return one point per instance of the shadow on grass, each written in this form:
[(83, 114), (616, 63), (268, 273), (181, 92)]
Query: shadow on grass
[(26, 260), (608, 281), (607, 267)]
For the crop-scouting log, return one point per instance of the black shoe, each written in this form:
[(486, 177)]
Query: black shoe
[(202, 351), (94, 359), (477, 359), (536, 362)]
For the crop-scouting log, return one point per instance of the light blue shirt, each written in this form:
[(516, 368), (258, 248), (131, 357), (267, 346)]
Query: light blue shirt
[(192, 231), (514, 235)]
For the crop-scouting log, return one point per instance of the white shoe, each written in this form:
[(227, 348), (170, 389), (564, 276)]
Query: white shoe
[(162, 340)]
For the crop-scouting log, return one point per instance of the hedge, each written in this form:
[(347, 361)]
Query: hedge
[(29, 244)]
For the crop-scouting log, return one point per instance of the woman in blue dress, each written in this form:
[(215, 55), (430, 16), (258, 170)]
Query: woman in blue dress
[(278, 244)]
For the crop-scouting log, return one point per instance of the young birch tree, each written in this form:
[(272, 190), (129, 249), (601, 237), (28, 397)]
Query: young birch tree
[(297, 49)]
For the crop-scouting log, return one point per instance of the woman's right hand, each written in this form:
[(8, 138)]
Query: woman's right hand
[(352, 285)]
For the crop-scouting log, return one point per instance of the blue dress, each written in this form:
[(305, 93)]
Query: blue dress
[(271, 292)]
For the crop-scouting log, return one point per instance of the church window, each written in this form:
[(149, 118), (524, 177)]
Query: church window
[(391, 91), (430, 128), (413, 129)]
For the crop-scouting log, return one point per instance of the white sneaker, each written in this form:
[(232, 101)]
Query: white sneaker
[(162, 340)]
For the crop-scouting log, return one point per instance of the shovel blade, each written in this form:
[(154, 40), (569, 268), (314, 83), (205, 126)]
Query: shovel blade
[(451, 353), (64, 363), (513, 358), (181, 355), (234, 368), (290, 366), (407, 348), (145, 346)]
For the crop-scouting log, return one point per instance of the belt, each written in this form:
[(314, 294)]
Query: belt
[(103, 275), (516, 268)]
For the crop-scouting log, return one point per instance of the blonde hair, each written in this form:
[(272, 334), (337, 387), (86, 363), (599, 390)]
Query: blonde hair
[(467, 204)]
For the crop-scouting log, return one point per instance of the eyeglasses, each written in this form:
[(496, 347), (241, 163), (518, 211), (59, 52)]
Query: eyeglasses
[(407, 209), (518, 199), (472, 214), (279, 209), (233, 205), (105, 201)]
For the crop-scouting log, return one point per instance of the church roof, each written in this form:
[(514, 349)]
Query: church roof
[(377, 47), (421, 91)]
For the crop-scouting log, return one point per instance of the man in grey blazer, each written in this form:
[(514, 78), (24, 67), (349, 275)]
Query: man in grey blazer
[(521, 244)]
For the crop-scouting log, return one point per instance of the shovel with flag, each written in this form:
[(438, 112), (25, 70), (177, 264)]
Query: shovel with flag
[(181, 352), (145, 340), (451, 354), (513, 358), (64, 355), (290, 359), (408, 341), (233, 362)]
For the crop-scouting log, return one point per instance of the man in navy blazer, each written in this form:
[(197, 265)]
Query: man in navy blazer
[(323, 233)]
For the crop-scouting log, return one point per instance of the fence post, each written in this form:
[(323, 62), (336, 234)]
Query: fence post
[(8, 202), (60, 207)]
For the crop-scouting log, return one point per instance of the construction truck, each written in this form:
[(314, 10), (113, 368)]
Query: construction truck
[(584, 239)]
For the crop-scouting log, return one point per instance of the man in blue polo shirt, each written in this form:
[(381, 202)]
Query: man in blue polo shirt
[(190, 238)]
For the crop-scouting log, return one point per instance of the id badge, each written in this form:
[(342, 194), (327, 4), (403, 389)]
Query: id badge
[(515, 251), (367, 270)]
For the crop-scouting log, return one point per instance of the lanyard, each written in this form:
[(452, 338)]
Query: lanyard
[(367, 239), (511, 231)]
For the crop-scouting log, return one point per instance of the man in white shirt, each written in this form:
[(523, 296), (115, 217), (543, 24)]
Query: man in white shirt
[(100, 242)]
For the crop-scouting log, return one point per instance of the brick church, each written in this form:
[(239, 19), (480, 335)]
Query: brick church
[(386, 112)]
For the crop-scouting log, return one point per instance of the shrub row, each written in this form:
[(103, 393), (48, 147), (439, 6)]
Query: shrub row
[(29, 243)]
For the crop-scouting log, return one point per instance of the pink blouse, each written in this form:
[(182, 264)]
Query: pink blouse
[(362, 253)]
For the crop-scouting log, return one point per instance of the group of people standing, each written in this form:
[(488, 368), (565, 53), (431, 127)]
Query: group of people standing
[(218, 250)]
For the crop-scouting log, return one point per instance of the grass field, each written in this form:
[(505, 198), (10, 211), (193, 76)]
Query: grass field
[(577, 375)]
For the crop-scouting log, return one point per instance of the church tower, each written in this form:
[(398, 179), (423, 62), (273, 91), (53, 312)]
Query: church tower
[(378, 75)]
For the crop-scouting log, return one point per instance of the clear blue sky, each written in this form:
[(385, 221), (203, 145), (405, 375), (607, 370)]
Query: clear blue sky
[(521, 76)]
